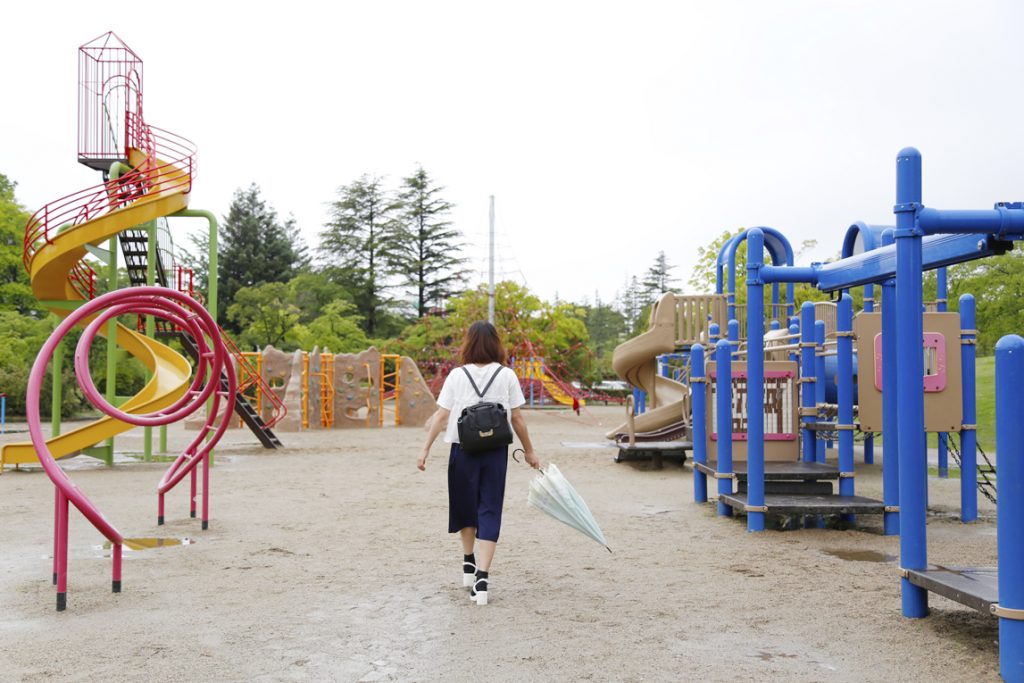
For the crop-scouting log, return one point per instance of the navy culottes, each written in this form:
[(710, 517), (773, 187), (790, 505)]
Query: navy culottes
[(476, 490)]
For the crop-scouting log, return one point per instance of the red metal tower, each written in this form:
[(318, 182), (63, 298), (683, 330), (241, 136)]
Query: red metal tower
[(109, 94)]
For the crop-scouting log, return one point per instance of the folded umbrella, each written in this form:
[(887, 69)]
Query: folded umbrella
[(551, 493)]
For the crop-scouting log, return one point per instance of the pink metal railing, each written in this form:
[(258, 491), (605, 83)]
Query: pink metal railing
[(178, 309)]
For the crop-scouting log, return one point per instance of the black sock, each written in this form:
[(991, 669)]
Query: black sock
[(468, 563), (481, 581)]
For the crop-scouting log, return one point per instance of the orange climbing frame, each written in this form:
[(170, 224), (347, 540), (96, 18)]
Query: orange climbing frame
[(390, 385), (327, 390)]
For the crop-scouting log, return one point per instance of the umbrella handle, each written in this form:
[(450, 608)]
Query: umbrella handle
[(517, 450)]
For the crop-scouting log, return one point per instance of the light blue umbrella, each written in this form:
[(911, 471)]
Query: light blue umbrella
[(550, 492)]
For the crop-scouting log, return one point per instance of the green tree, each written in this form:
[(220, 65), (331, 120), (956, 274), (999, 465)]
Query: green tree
[(336, 329), (15, 289), (702, 277), (427, 250), (528, 325), (311, 291), (255, 247), (21, 337), (631, 305), (606, 328), (265, 316), (358, 245), (997, 284), (658, 279), (196, 257)]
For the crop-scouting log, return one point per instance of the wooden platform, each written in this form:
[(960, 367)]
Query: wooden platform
[(781, 471), (809, 504), (975, 587)]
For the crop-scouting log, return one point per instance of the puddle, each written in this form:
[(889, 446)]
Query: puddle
[(861, 555), (151, 542), (769, 656), (138, 457)]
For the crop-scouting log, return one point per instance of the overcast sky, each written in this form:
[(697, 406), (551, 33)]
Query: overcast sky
[(606, 131)]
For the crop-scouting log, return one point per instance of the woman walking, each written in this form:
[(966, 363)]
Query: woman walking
[(476, 481)]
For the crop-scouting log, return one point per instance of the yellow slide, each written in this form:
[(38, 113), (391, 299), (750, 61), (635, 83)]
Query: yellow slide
[(556, 391), (534, 369), (636, 361), (49, 270)]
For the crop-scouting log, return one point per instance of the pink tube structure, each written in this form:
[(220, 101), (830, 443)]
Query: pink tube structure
[(214, 379)]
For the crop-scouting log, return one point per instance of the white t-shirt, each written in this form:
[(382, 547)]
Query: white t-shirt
[(457, 393)]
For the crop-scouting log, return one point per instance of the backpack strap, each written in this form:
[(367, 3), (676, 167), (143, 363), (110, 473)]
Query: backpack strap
[(489, 383)]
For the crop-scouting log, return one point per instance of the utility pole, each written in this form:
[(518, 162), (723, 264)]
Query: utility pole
[(490, 288)]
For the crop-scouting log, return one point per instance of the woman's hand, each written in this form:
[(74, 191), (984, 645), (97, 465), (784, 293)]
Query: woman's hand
[(422, 462), (531, 459)]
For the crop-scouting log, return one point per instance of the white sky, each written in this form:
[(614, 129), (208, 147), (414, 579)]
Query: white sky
[(606, 131)]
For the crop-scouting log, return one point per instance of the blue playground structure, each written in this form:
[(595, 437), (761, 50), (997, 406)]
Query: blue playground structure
[(893, 258)]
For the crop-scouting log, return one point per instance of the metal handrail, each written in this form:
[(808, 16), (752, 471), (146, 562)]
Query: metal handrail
[(169, 166)]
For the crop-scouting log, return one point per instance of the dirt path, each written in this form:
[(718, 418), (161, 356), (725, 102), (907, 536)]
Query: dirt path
[(330, 561)]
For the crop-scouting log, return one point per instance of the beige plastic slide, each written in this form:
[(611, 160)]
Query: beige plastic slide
[(636, 361)]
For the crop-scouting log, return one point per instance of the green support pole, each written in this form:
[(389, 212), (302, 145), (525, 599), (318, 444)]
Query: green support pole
[(57, 367), (211, 279), (211, 292), (111, 344), (147, 432)]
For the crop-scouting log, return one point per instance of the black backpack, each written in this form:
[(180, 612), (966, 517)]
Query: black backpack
[(483, 426)]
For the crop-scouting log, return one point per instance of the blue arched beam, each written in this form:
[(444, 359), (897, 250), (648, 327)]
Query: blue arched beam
[(780, 251)]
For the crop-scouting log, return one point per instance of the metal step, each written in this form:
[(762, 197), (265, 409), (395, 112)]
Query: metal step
[(242, 406)]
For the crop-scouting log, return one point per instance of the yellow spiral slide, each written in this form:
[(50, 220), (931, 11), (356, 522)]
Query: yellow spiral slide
[(50, 267)]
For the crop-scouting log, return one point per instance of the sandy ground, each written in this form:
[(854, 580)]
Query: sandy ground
[(330, 561)]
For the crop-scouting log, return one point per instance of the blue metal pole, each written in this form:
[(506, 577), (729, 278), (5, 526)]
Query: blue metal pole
[(698, 387), (1010, 506), (844, 395), (723, 406), (819, 384), (714, 332), (731, 250), (533, 376), (890, 405), (774, 325), (968, 433), (909, 380), (941, 293), (3, 413), (808, 414), (755, 381), (734, 328)]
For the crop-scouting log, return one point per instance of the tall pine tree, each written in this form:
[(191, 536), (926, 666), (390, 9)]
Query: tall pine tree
[(255, 247), (427, 253), (358, 245), (658, 279)]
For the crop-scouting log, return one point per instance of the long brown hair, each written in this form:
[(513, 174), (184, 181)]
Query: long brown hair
[(482, 345)]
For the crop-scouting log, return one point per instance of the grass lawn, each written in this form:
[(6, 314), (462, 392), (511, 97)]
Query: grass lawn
[(986, 369)]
